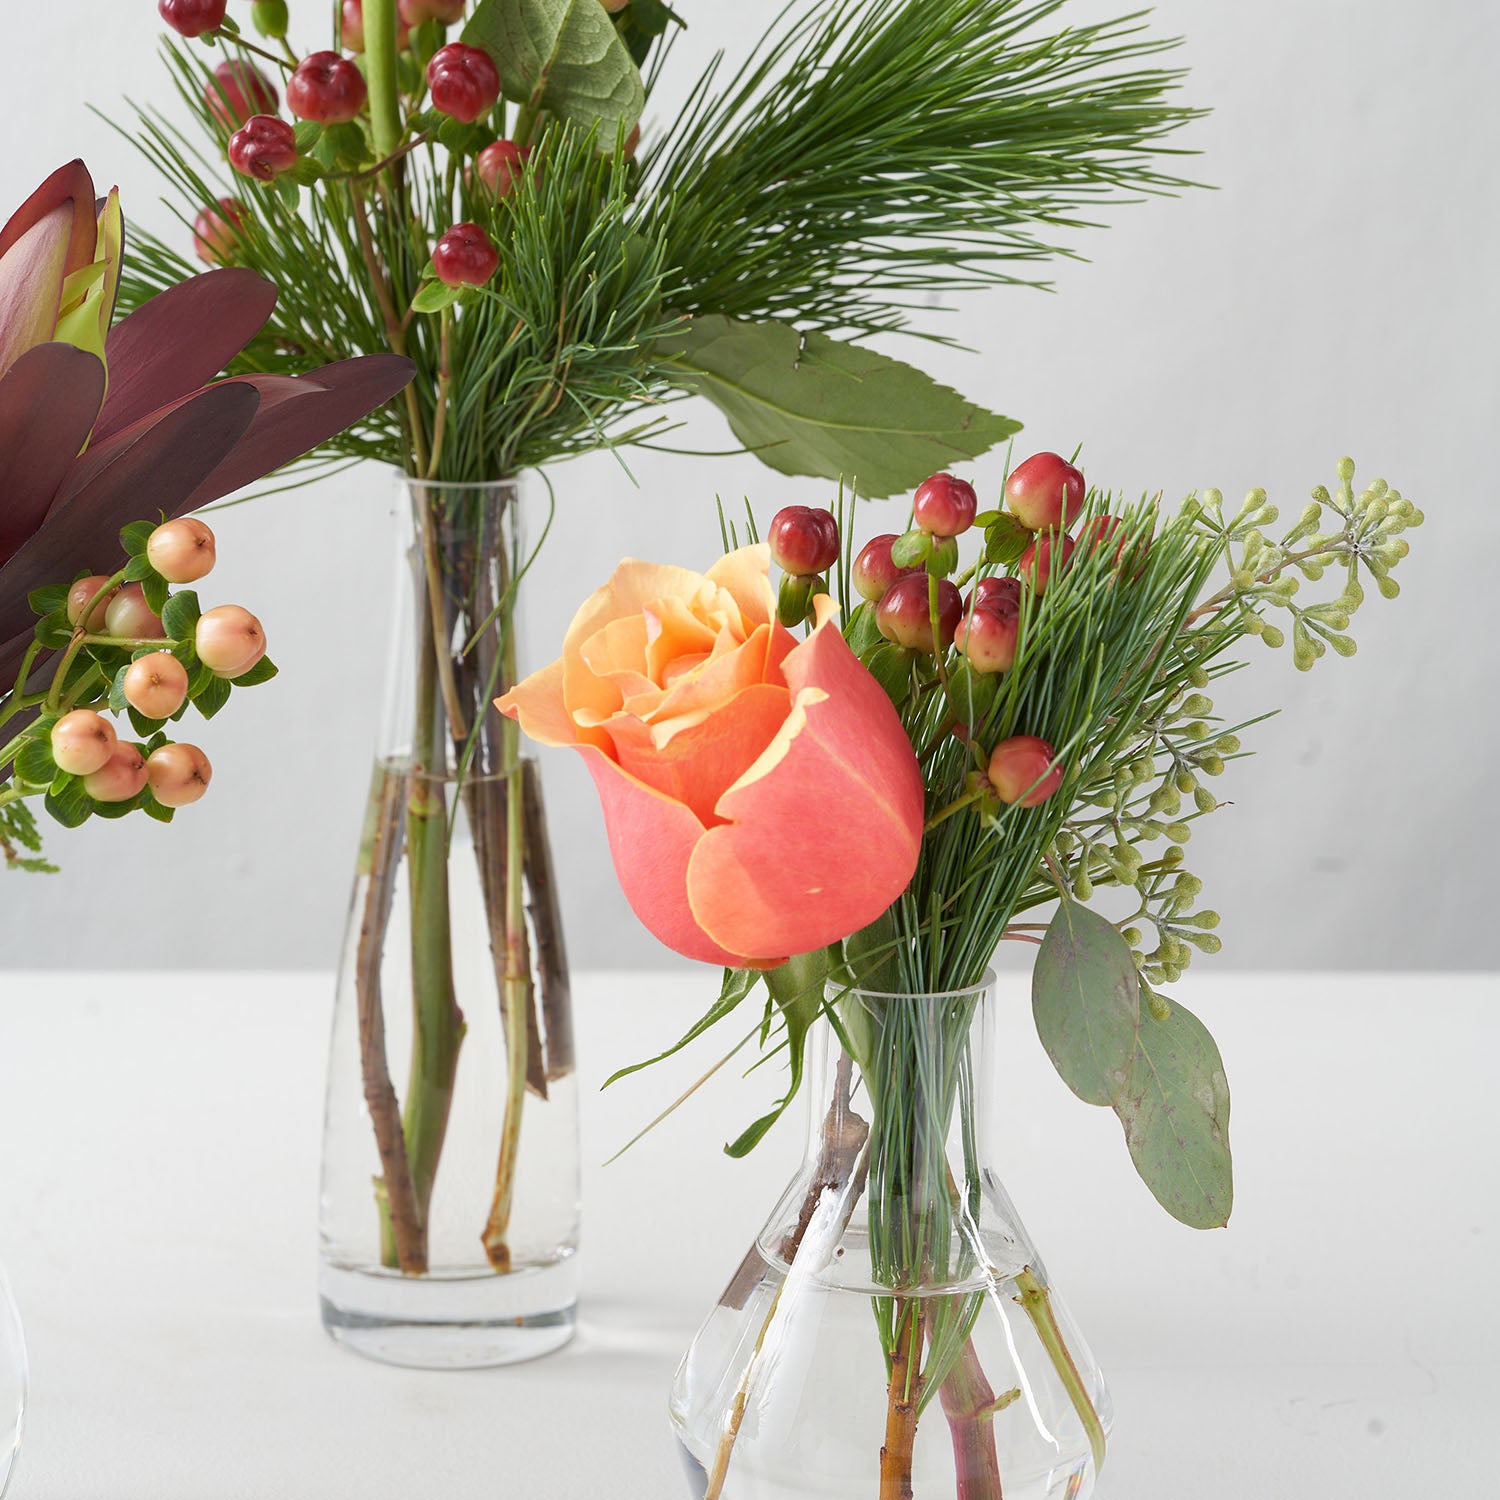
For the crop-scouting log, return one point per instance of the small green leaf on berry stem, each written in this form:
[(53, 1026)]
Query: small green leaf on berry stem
[(133, 538), (34, 764), (179, 617), (263, 671), (433, 296), (68, 803), (212, 697), (48, 600)]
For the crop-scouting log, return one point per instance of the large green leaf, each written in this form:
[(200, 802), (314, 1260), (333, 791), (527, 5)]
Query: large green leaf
[(562, 55), (809, 404), (1086, 1000), (1175, 1110)]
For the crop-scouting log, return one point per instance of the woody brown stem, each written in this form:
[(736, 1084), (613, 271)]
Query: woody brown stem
[(903, 1395), (406, 1237), (546, 923)]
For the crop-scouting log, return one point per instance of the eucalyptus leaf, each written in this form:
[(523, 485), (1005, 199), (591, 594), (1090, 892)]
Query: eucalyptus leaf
[(562, 55), (810, 404), (1175, 1110), (1086, 1001)]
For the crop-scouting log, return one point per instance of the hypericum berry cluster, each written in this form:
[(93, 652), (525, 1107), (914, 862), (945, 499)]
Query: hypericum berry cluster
[(192, 17), (132, 647)]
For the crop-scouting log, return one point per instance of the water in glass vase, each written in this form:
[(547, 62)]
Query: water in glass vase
[(12, 1383), (892, 1332), (449, 1209)]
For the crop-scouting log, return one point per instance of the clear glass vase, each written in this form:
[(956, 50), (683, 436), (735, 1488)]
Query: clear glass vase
[(893, 1331), (12, 1382), (449, 1209)]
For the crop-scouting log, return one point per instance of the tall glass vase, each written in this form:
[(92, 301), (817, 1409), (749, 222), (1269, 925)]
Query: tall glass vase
[(12, 1383), (893, 1331), (449, 1214)]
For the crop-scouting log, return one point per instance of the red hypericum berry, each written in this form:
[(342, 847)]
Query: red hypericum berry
[(263, 147), (944, 506), (192, 17), (904, 615), (216, 231), (129, 618), (120, 777), (327, 88), (1045, 493), (178, 774), (182, 551), (1021, 771), (499, 166), (353, 30), (78, 601), (156, 685), (875, 570), (414, 12), (987, 636), (464, 82), (237, 91), (229, 640), (465, 256), (82, 741), (1045, 559), (994, 591), (804, 542)]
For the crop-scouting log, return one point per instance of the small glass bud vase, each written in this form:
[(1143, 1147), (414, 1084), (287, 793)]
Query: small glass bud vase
[(12, 1383), (449, 1210), (893, 1331)]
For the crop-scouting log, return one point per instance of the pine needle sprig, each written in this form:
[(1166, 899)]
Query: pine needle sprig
[(875, 150)]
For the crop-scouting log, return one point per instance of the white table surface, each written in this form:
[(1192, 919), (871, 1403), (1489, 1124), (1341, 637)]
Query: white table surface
[(161, 1140)]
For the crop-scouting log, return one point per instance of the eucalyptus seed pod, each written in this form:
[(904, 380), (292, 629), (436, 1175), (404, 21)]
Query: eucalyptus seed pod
[(1198, 677), (1083, 887), (1227, 743), (1388, 587), (1205, 921), (1205, 942), (1343, 645), (1132, 935), (1179, 833), (1211, 765), (1197, 730), (1196, 706), (1272, 636), (1205, 801), (1158, 1005), (1188, 885), (1186, 782)]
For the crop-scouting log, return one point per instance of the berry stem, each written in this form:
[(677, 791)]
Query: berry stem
[(80, 635), (440, 421), (241, 43), (17, 698)]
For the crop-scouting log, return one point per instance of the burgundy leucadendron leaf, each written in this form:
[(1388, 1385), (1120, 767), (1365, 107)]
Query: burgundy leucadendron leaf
[(179, 340), (48, 401), (298, 412), (159, 469)]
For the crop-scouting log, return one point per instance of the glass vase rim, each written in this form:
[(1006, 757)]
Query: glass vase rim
[(475, 486), (983, 987)]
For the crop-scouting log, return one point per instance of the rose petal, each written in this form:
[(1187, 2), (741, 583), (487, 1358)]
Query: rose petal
[(652, 839), (824, 830), (746, 575), (698, 764)]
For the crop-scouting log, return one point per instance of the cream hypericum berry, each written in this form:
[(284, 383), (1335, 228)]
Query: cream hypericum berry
[(82, 741), (229, 640), (178, 774), (182, 551), (1021, 770), (120, 777), (156, 685), (129, 618), (78, 601)]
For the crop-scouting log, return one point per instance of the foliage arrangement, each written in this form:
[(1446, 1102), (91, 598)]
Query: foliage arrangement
[(468, 186), (98, 422), (1057, 730)]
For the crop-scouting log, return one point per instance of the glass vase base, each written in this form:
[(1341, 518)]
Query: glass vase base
[(450, 1322)]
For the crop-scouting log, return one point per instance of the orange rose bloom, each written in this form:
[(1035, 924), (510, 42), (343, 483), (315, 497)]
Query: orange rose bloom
[(760, 793)]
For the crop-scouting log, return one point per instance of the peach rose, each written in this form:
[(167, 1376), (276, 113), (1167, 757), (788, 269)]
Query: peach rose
[(761, 795)]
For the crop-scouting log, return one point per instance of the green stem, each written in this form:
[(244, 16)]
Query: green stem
[(18, 698), (517, 980), (1037, 1302), (380, 74)]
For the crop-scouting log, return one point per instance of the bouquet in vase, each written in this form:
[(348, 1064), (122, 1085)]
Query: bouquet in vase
[(470, 186), (848, 791)]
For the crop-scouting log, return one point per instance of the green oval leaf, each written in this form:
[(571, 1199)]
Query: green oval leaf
[(1086, 1001), (1175, 1110), (562, 55), (809, 404), (179, 617)]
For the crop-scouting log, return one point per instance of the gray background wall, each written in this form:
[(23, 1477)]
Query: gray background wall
[(1336, 294)]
